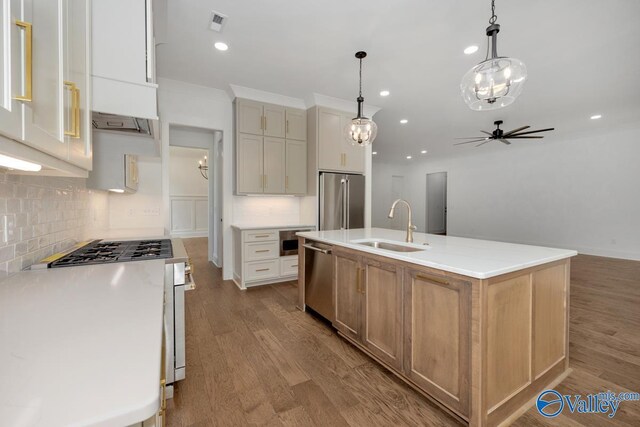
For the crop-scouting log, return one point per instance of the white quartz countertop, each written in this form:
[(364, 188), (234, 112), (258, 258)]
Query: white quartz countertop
[(81, 346), (480, 259), (252, 226)]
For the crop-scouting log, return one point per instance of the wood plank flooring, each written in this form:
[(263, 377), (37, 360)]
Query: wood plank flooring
[(254, 359)]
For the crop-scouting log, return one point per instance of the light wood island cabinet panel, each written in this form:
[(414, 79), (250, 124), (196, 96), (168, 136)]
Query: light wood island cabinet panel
[(382, 291), (347, 285), (437, 336), (549, 312), (508, 338)]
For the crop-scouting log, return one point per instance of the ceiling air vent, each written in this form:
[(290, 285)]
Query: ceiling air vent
[(217, 21)]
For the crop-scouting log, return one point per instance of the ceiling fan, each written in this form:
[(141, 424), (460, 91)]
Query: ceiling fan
[(502, 136)]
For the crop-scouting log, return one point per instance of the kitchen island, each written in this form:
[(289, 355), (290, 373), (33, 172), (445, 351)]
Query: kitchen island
[(479, 327)]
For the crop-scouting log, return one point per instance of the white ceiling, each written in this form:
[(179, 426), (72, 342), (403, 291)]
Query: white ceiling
[(583, 58)]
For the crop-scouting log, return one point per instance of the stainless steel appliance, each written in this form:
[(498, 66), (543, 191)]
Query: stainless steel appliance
[(289, 241), (318, 284), (177, 280), (341, 201)]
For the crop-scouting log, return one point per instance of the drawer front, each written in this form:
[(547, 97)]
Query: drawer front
[(289, 266), (260, 235), (261, 270), (260, 251)]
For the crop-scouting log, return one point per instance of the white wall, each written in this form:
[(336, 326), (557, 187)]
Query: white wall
[(582, 193), (184, 176)]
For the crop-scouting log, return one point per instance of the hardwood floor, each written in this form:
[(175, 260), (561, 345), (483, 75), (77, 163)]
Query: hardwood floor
[(254, 359)]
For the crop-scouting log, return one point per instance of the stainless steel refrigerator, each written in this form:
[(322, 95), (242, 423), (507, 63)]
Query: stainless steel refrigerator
[(341, 201)]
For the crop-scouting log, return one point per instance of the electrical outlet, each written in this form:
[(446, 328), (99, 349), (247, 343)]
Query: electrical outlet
[(154, 211)]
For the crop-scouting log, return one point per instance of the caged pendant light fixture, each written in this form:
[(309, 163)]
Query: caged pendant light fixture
[(497, 81), (360, 131)]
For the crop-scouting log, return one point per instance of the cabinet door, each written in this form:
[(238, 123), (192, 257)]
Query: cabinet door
[(43, 116), (77, 108), (250, 178), (11, 71), (382, 319), (347, 291), (296, 125), (274, 165), (249, 117), (437, 327), (331, 143), (353, 155), (296, 167), (274, 121)]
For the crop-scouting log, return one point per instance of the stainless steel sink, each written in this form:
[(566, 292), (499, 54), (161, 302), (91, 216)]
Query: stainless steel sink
[(390, 246)]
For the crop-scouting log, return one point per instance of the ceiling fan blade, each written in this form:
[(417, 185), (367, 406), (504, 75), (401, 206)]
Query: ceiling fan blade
[(482, 143), (472, 137), (523, 137), (485, 132), (511, 132), (468, 142), (504, 141), (532, 131)]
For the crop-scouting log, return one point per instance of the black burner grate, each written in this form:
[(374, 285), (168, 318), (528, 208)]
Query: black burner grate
[(101, 252)]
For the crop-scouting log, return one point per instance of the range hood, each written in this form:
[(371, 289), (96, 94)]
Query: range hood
[(125, 124)]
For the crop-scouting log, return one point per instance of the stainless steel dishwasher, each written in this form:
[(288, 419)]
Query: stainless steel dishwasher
[(318, 280)]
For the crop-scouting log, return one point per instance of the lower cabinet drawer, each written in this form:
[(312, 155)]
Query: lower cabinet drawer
[(259, 235), (289, 266), (260, 251), (261, 270)]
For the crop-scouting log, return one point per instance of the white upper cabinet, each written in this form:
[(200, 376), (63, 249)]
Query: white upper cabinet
[(274, 165), (122, 58), (296, 167), (44, 113), (274, 122), (334, 152), (249, 118), (77, 83), (11, 73), (249, 165), (296, 124)]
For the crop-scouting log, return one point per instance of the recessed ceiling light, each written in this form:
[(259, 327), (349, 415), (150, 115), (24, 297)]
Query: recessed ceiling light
[(408, 157), (596, 116), (221, 46), (374, 153), (404, 121), (423, 152), (470, 49), (384, 93)]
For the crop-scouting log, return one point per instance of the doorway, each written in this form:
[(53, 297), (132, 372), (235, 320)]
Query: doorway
[(437, 203)]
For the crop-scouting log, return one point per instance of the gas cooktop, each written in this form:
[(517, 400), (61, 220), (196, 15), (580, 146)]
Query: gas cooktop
[(102, 252)]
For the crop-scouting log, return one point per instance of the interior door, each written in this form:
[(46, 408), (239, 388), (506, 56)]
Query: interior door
[(347, 291), (437, 203), (274, 165), (43, 116), (11, 70)]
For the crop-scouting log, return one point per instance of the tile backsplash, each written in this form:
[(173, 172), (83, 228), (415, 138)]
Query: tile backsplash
[(42, 215)]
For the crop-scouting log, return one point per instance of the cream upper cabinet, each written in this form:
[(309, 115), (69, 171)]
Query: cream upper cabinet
[(249, 117), (296, 167), (274, 120), (44, 114), (11, 71), (249, 165), (334, 152), (279, 166), (274, 165), (77, 106), (296, 124)]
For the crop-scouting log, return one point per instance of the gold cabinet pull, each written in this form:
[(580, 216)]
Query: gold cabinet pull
[(75, 110), (262, 235), (262, 250), (286, 182), (362, 284), (163, 399), (28, 61), (360, 280), (265, 122), (266, 181), (433, 279), (263, 269), (287, 129)]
